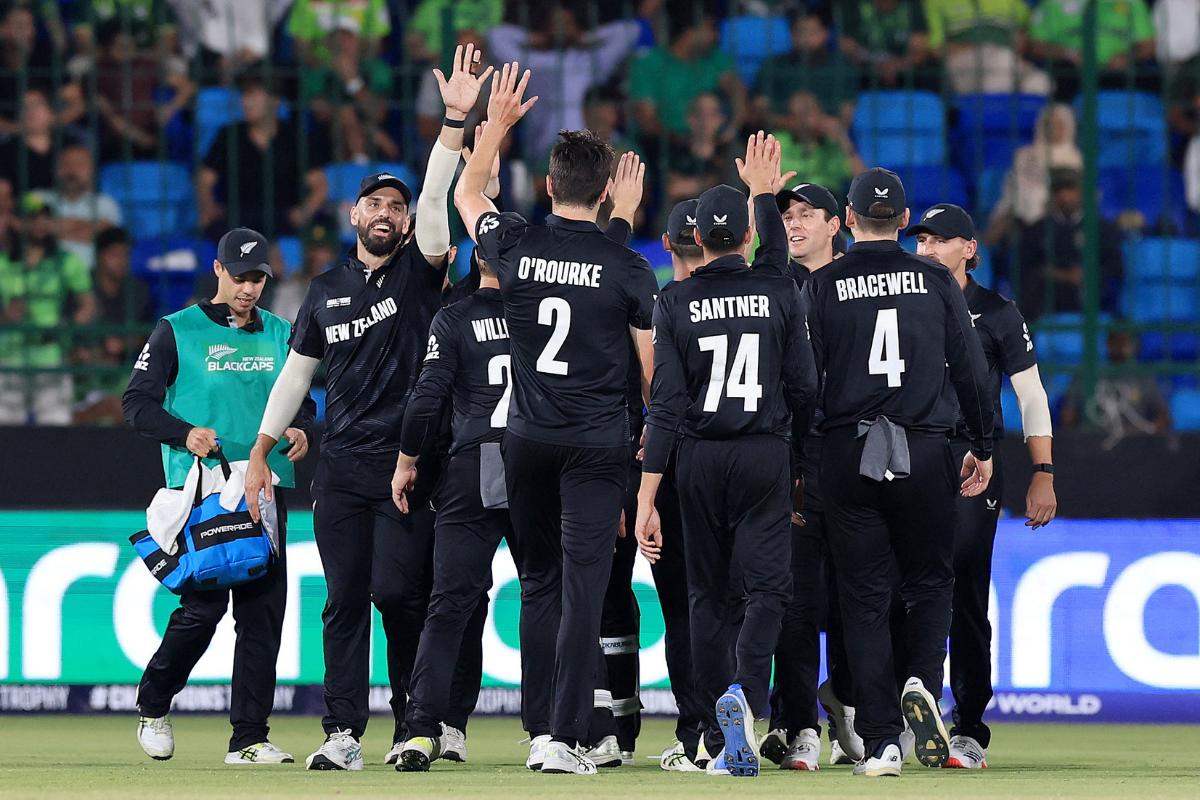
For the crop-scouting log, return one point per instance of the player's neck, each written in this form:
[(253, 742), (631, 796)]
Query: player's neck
[(242, 320), (682, 269), (372, 262), (861, 235), (577, 213), (815, 261), (960, 275), (489, 282)]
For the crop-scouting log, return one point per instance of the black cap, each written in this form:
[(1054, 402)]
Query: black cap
[(243, 250), (378, 180), (722, 216), (815, 195), (947, 221), (682, 222), (877, 185)]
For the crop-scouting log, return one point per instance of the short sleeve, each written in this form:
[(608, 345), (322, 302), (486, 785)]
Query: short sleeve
[(1015, 343), (643, 292), (496, 232), (307, 339)]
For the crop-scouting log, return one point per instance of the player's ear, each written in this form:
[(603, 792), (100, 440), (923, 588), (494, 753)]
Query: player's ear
[(354, 215), (835, 225), (970, 249), (217, 268), (696, 237), (604, 194), (666, 241), (851, 220), (549, 188), (904, 219)]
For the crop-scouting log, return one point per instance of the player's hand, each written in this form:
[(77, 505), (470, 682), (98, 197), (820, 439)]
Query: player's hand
[(494, 177), (461, 91), (641, 453), (403, 480), (299, 440), (506, 107), (625, 189), (648, 531), (976, 475), (760, 168), (1041, 504), (258, 479), (201, 441), (798, 504), (781, 181), (621, 525)]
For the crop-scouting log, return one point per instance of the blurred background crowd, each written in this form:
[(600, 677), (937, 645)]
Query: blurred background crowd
[(134, 132)]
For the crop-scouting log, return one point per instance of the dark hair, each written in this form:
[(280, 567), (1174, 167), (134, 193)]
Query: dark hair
[(798, 15), (110, 236), (261, 76), (972, 262), (580, 166), (683, 15), (108, 31), (688, 251), (880, 225)]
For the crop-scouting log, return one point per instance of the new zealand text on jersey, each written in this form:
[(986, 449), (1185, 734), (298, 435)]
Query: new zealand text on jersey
[(355, 328), (881, 285)]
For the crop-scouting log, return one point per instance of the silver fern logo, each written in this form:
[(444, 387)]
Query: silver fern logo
[(218, 351)]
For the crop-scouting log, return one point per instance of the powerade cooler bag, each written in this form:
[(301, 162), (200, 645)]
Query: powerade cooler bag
[(217, 548)]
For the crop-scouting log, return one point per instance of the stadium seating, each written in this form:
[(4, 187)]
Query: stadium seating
[(216, 107), (344, 177), (1057, 344), (1157, 193), (1162, 283), (927, 185), (751, 40), (168, 266), (1159, 346), (156, 197), (1162, 259), (291, 250), (1185, 410), (899, 129), (990, 127), (1132, 129)]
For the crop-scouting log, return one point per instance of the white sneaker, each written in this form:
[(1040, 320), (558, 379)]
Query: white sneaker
[(716, 767), (837, 755), (454, 744), (537, 752), (885, 765), (340, 751), (703, 759), (774, 746), (843, 720), (418, 753), (563, 760), (606, 753), (921, 710), (737, 725), (261, 753), (674, 759), (393, 755), (804, 752), (627, 758), (155, 736), (966, 753)]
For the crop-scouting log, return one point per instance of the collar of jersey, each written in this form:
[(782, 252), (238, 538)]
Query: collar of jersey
[(881, 246), (729, 263), (352, 262), (571, 224), (490, 292), (220, 314)]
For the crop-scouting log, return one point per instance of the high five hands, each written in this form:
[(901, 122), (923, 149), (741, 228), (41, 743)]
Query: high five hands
[(760, 169)]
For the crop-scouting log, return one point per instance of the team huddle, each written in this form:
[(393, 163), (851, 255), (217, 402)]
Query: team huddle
[(798, 440)]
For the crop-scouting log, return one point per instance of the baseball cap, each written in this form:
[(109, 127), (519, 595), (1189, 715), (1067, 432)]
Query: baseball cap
[(722, 216), (876, 185), (681, 223), (815, 195), (378, 180), (946, 220), (243, 250)]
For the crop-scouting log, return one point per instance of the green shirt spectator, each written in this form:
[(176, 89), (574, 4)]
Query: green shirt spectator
[(976, 21), (1121, 25), (671, 83), (811, 66), (427, 34), (40, 295), (324, 82), (312, 21), (880, 27)]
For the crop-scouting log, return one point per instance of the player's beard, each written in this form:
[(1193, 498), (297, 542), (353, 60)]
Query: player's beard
[(376, 244)]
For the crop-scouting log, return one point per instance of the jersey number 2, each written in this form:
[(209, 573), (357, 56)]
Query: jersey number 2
[(500, 374), (885, 348), (556, 312), (743, 375)]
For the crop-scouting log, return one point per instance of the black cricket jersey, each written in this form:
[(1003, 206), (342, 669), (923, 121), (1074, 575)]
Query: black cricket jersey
[(571, 295), (731, 358), (468, 362), (1002, 330), (891, 333), (370, 328)]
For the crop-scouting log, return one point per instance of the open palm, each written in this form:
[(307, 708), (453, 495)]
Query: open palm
[(461, 91)]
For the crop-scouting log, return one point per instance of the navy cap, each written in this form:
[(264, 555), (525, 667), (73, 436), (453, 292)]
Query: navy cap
[(814, 194), (243, 250), (379, 180), (877, 185), (947, 221), (722, 216), (682, 222)]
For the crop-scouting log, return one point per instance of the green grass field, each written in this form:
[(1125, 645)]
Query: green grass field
[(90, 757)]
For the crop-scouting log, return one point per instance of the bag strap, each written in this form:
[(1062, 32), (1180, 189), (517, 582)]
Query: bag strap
[(226, 470)]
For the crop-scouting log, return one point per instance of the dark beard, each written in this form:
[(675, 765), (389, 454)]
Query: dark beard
[(376, 246)]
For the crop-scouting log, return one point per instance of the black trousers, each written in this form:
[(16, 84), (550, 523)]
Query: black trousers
[(907, 522), (670, 581), (446, 674), (736, 499), (620, 623), (970, 631), (565, 503), (371, 553), (258, 608)]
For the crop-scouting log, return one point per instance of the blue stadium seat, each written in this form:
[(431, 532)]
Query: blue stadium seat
[(751, 40), (344, 177), (216, 107), (1157, 193), (291, 250), (1132, 128), (1009, 407), (1159, 346), (1159, 259), (156, 197), (1161, 301), (990, 127), (897, 129), (1185, 410), (319, 397), (989, 186), (168, 266), (984, 274), (1065, 346), (928, 185)]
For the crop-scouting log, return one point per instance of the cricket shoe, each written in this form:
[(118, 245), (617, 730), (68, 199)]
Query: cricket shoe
[(884, 763), (966, 753), (674, 759), (921, 711), (774, 746), (804, 752), (537, 752), (261, 753), (627, 758), (340, 751), (563, 760), (737, 726), (418, 753), (393, 755), (837, 756), (842, 717), (606, 754), (454, 744), (717, 767), (156, 737), (703, 759)]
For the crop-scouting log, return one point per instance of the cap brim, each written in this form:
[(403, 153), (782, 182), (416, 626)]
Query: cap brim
[(916, 229), (242, 267), (388, 183)]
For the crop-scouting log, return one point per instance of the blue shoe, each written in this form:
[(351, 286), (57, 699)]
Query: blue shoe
[(737, 725)]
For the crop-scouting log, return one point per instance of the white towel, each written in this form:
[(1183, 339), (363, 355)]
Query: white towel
[(170, 508)]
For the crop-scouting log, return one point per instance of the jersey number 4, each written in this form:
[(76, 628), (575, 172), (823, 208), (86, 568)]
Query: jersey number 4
[(743, 375), (885, 348)]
